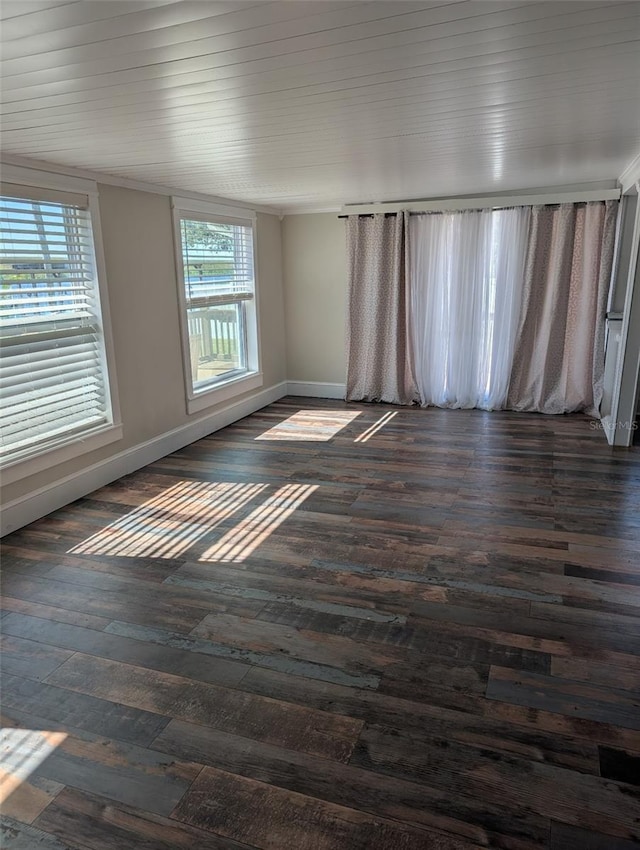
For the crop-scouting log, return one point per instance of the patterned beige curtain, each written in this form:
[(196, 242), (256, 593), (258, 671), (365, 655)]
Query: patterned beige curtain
[(559, 358), (378, 340)]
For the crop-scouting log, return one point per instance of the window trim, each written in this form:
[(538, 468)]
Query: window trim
[(234, 385), (71, 446)]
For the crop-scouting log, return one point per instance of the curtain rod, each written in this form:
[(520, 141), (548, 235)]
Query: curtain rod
[(439, 212), (425, 212), (495, 202), (370, 215)]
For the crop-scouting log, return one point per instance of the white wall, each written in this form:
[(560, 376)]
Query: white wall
[(141, 278), (315, 289)]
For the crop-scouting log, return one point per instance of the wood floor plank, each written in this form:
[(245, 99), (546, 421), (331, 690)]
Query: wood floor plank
[(267, 656), (608, 674), (535, 742), (29, 658), (587, 617), (121, 645), (29, 799), (564, 696), (403, 575), (116, 770), (89, 822), (192, 602), (424, 806), (149, 569), (311, 646), (110, 604), (49, 612), (326, 735), (13, 561), (554, 723), (282, 818), (438, 648), (606, 575), (525, 643), (436, 573), (521, 784), (301, 594), (564, 837), (17, 835), (101, 716)]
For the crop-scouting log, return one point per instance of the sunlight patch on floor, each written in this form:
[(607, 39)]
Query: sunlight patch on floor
[(377, 426), (167, 525), (245, 537), (311, 426), (21, 752)]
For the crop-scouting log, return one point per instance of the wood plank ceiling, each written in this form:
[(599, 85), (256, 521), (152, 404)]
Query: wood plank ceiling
[(314, 104)]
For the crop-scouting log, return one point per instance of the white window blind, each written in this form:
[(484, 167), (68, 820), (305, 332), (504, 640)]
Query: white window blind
[(53, 380)]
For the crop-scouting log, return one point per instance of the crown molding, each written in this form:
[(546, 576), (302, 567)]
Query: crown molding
[(127, 183), (488, 201), (310, 210), (631, 174)]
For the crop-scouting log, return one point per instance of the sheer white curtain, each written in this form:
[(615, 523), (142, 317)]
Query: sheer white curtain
[(466, 274)]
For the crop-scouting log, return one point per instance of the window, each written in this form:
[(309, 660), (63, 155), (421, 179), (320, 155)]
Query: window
[(217, 296), (54, 384)]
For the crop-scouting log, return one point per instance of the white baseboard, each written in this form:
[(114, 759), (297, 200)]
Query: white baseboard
[(316, 389), (40, 502)]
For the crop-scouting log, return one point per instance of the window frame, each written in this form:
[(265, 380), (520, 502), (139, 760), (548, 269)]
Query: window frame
[(69, 446), (235, 384)]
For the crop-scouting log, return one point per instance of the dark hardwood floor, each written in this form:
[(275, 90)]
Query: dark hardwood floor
[(316, 633)]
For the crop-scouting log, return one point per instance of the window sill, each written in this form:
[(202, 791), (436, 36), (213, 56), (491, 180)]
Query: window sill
[(74, 447), (224, 391)]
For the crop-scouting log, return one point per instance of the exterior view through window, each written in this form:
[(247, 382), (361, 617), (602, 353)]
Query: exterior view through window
[(217, 263)]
